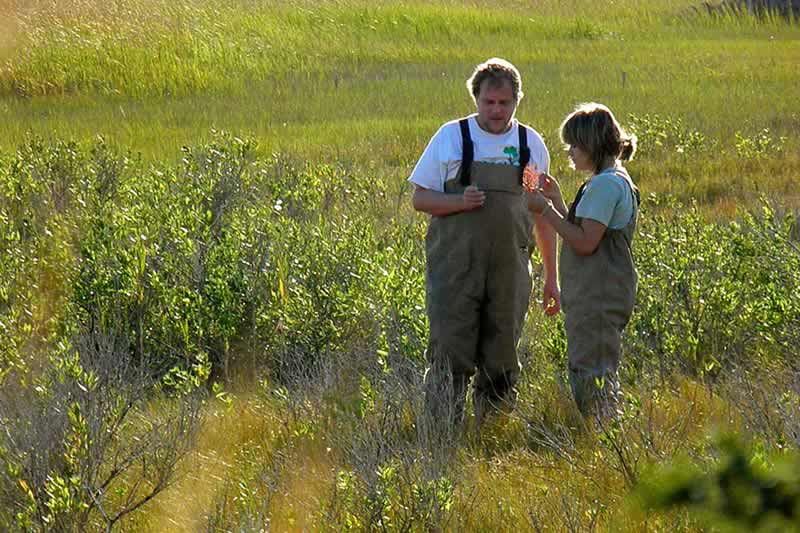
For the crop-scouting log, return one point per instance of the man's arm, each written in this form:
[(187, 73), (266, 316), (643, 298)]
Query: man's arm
[(440, 204), (546, 241)]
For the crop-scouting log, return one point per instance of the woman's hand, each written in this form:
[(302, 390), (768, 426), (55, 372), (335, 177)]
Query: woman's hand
[(549, 187), (537, 202), (551, 190)]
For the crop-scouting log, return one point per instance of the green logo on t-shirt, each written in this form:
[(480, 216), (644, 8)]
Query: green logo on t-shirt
[(512, 153)]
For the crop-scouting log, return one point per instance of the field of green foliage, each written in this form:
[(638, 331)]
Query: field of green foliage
[(212, 281)]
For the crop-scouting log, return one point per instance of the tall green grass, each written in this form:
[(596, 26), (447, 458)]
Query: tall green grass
[(232, 267), (365, 81), (297, 259)]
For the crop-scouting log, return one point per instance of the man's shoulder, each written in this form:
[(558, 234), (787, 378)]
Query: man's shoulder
[(534, 137), (450, 129), (455, 124)]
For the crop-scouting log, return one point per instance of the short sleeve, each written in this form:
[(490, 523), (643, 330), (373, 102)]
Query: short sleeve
[(599, 200), (539, 154), (431, 169), (545, 167)]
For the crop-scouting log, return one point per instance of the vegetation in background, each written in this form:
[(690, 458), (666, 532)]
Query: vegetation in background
[(228, 265), (367, 83), (239, 316), (737, 493)]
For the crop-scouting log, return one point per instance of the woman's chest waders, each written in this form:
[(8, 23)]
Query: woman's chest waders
[(479, 285), (598, 293)]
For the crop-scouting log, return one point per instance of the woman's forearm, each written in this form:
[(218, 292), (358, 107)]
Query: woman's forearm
[(561, 207), (546, 242), (582, 241)]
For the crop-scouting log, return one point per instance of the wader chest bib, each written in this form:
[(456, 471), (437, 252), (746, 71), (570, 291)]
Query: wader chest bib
[(598, 292), (478, 280)]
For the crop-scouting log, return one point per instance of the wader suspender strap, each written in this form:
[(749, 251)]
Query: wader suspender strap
[(524, 151), (637, 200), (467, 152), (574, 205)]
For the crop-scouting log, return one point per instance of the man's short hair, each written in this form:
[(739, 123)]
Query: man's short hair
[(496, 71)]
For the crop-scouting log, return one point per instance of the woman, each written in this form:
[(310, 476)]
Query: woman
[(598, 276)]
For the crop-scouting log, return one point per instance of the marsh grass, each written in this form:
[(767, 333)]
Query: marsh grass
[(331, 320), (336, 467), (292, 254), (370, 82), (248, 425)]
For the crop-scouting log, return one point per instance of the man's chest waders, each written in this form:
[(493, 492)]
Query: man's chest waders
[(598, 292), (479, 285)]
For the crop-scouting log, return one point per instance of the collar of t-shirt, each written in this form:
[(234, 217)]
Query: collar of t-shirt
[(499, 148)]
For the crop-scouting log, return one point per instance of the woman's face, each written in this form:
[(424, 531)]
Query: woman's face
[(580, 158)]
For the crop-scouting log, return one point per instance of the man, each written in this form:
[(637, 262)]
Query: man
[(478, 281)]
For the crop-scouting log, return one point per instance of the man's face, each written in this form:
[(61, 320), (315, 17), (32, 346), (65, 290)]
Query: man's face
[(496, 106)]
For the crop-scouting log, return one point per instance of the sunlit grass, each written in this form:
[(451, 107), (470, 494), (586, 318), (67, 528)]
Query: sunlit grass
[(308, 481), (361, 82), (512, 483), (505, 478), (186, 505), (362, 85)]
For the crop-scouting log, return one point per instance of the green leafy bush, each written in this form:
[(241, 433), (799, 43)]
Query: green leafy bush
[(735, 491), (713, 294), (758, 146), (656, 133)]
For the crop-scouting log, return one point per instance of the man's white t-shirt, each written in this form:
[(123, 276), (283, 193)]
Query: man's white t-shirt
[(441, 160)]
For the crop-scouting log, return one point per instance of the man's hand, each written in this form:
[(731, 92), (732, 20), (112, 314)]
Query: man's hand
[(473, 198), (441, 204), (551, 297)]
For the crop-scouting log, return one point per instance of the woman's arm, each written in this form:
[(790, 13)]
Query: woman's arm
[(550, 188), (441, 204), (546, 242), (583, 238)]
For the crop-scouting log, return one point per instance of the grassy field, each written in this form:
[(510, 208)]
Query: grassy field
[(368, 83), (217, 189)]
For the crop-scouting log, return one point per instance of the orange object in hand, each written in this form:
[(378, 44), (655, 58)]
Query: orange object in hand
[(530, 178)]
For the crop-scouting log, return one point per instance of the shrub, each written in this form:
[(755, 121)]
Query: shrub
[(713, 294), (92, 441)]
